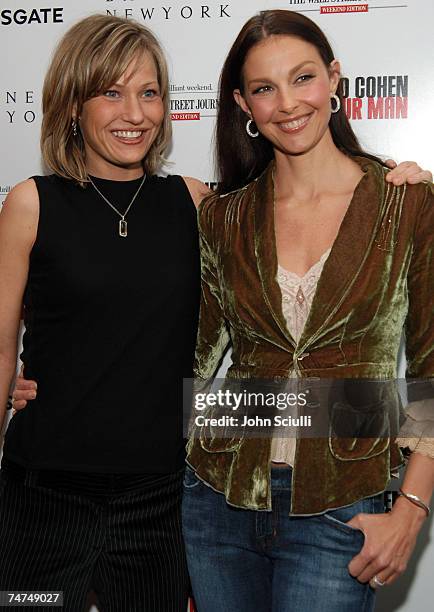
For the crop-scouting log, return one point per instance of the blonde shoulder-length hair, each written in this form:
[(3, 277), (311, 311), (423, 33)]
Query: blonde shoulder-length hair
[(90, 57)]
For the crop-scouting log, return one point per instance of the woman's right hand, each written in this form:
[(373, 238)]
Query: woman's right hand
[(24, 391)]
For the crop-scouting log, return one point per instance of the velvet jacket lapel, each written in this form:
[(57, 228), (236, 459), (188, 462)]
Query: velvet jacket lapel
[(265, 248), (349, 251)]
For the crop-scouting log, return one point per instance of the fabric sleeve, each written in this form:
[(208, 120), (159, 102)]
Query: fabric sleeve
[(417, 433), (213, 337)]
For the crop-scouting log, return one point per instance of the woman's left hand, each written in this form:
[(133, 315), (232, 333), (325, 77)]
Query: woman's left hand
[(389, 541), (406, 172)]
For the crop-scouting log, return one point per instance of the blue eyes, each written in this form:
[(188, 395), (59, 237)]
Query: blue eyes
[(150, 93), (111, 93), (114, 93)]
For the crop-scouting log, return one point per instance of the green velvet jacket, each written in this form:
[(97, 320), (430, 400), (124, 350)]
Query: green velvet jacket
[(377, 280)]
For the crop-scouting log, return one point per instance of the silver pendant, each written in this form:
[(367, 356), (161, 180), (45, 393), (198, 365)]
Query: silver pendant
[(123, 228)]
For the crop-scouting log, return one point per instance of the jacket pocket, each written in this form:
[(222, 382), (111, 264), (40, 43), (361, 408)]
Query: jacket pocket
[(359, 433), (221, 426), (219, 439), (354, 449), (220, 445), (218, 433)]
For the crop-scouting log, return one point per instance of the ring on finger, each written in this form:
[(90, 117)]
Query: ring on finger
[(376, 582)]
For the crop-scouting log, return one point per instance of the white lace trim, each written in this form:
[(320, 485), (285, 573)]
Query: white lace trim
[(297, 296)]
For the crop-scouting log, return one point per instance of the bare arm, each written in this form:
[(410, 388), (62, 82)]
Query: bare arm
[(18, 227), (197, 189), (391, 538)]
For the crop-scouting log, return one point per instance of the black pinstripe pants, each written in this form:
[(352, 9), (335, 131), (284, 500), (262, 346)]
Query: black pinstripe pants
[(118, 535)]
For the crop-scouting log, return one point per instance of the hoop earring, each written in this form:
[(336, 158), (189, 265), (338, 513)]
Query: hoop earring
[(74, 128), (337, 99), (249, 130)]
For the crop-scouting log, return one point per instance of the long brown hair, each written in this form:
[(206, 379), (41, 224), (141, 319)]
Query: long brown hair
[(239, 157), (90, 57)]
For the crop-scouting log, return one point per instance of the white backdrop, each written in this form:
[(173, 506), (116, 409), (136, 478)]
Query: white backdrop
[(385, 47)]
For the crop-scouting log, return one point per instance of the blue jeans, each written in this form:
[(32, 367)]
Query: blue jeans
[(258, 561)]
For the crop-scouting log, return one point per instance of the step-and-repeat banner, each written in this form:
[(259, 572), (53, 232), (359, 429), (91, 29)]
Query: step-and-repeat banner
[(385, 48)]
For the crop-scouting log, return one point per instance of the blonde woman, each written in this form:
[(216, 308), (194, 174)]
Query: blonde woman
[(104, 255)]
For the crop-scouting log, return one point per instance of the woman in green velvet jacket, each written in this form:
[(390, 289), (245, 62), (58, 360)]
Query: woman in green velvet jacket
[(296, 184)]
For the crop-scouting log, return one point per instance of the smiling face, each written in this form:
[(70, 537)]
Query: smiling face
[(119, 125), (287, 92)]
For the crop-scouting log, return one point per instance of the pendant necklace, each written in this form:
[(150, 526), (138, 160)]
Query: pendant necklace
[(123, 225)]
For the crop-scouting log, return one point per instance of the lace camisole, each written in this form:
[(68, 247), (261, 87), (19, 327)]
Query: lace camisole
[(297, 296)]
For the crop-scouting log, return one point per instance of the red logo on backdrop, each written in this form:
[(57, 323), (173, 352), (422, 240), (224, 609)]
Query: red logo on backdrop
[(185, 116), (345, 8), (192, 101), (336, 7)]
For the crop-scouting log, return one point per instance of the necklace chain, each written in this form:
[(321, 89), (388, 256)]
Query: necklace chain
[(123, 226)]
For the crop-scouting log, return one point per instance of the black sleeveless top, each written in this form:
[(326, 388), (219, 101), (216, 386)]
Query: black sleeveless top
[(110, 328)]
